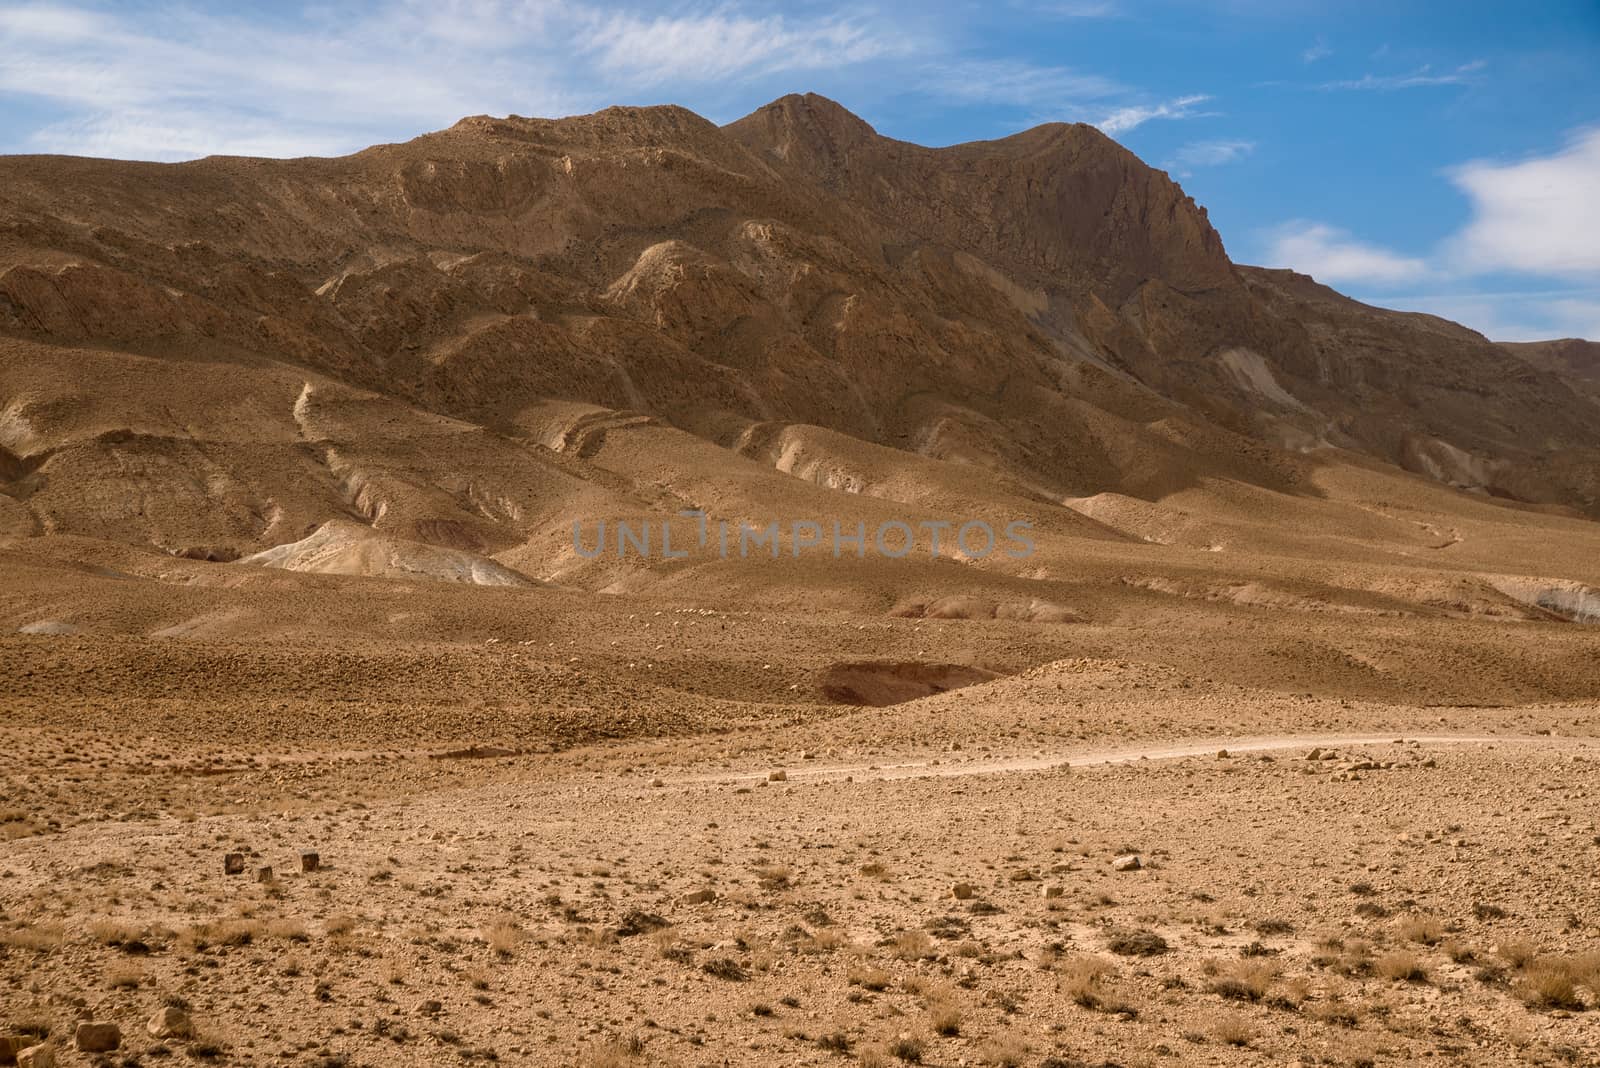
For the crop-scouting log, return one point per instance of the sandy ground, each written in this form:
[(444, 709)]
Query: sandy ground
[(864, 888)]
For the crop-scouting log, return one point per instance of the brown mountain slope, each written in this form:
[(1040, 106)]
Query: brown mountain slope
[(470, 339), (1573, 357)]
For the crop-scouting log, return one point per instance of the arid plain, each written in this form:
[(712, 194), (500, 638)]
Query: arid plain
[(1281, 746)]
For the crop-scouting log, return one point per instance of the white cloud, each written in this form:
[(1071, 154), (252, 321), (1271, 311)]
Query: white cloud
[(1530, 218), (1126, 118), (1212, 153), (708, 47), (1510, 315), (1332, 255), (183, 78), (1537, 216), (179, 82), (1042, 89), (1319, 50), (1419, 78), (193, 83), (1078, 9)]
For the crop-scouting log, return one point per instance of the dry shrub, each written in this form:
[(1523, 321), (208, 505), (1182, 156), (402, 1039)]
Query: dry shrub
[(908, 1049), (113, 933), (502, 934), (1232, 1030), (1547, 985), (1135, 942), (615, 1053), (868, 977), (1402, 966), (1336, 1012), (774, 877), (1425, 930), (1518, 952), (1005, 1051), (670, 946), (1083, 980), (725, 968), (39, 938), (1555, 982), (1246, 980), (339, 925), (945, 1018), (913, 945), (826, 940)]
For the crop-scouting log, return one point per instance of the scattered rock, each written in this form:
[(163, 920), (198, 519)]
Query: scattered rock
[(92, 1037), (475, 752), (778, 776), (1315, 754), (637, 922), (170, 1022), (699, 897), (1053, 891), (233, 864), (310, 861), (40, 1056), (429, 1007), (657, 783), (962, 891), (10, 1046), (1129, 862), (264, 874)]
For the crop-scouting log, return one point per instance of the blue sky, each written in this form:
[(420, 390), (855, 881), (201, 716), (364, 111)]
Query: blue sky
[(1441, 156)]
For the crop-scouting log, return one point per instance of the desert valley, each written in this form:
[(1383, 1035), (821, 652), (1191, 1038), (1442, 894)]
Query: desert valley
[(329, 743)]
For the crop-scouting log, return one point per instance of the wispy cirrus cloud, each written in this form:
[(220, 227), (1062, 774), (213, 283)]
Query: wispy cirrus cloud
[(1211, 153), (1042, 90), (200, 83), (189, 78), (1317, 51), (1422, 77), (1076, 9), (652, 51), (1127, 118)]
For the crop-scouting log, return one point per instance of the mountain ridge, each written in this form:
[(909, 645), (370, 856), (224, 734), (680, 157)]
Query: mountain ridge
[(1044, 307)]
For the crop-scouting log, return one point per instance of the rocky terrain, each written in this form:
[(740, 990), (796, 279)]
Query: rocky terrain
[(330, 743)]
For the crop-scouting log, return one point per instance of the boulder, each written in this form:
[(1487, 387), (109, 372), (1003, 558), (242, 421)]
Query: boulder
[(92, 1037), (170, 1022), (1130, 862), (40, 1056)]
